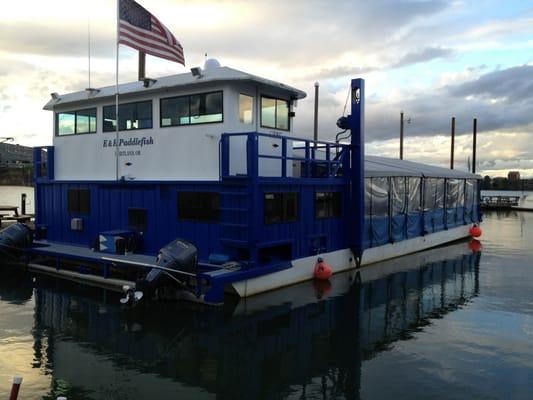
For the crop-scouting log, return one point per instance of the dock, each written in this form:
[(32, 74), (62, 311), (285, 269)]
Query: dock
[(14, 216), (504, 202)]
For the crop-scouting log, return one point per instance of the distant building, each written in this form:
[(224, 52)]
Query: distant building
[(14, 155), (513, 176)]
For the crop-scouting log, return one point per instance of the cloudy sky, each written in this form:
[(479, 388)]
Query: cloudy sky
[(432, 59)]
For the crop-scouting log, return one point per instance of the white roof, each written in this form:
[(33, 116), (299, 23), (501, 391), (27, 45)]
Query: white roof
[(213, 74), (382, 166)]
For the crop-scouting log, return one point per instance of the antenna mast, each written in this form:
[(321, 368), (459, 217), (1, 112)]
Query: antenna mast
[(89, 48)]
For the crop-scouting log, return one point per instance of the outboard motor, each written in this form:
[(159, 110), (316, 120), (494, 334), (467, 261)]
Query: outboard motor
[(179, 255), (14, 239)]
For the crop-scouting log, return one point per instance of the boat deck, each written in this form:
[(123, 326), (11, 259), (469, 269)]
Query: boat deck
[(210, 279), (43, 247)]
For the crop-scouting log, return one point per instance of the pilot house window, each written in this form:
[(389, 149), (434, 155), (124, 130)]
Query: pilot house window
[(193, 109), (274, 113), (130, 116), (246, 107), (76, 122)]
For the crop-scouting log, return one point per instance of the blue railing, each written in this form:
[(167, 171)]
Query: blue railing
[(253, 154)]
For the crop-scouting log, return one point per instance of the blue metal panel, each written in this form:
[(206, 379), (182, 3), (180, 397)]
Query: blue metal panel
[(109, 210)]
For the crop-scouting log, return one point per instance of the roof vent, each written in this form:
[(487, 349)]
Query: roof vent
[(197, 72), (92, 91), (211, 63), (147, 82)]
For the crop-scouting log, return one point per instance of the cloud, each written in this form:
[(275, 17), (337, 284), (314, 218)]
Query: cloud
[(424, 55), (418, 56), (511, 85), (43, 39), (500, 100)]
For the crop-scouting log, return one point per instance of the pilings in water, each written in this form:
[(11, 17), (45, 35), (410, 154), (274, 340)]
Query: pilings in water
[(15, 388)]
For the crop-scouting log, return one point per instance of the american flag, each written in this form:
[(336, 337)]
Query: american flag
[(142, 31)]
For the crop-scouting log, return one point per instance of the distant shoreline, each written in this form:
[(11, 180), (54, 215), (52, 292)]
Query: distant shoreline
[(19, 176)]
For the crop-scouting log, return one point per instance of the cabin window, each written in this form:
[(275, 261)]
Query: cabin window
[(440, 192), (131, 116), (274, 113), (414, 201), (79, 201), (76, 122), (461, 197), (469, 193), (193, 109), (368, 196), (430, 188), (246, 107), (138, 219), (199, 206), (327, 204), (452, 193), (281, 207), (380, 196), (398, 195)]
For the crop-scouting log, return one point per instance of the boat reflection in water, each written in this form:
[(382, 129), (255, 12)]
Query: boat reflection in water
[(302, 340)]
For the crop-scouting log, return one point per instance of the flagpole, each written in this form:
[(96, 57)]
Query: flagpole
[(116, 97)]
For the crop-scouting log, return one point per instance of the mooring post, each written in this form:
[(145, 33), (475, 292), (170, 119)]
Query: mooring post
[(453, 143), (142, 65), (15, 388), (23, 204), (315, 130), (474, 146), (401, 135)]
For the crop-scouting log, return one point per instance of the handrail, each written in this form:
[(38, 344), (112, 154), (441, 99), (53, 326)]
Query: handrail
[(309, 162), (293, 138)]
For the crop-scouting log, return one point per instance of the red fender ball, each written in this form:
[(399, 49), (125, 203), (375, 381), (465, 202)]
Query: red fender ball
[(475, 231), (322, 270)]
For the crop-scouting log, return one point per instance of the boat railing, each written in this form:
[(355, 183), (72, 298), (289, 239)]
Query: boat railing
[(43, 163), (253, 154)]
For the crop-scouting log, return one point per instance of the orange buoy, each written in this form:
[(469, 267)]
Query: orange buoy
[(322, 270), (475, 246), (475, 231)]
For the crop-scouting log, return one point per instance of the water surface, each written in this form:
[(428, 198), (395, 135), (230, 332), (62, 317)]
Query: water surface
[(446, 323)]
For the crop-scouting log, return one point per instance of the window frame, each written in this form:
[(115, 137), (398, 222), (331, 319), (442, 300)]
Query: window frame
[(275, 113), (75, 112), (253, 111), (79, 211), (283, 219), (207, 220), (336, 199), (189, 97), (136, 212), (117, 120)]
